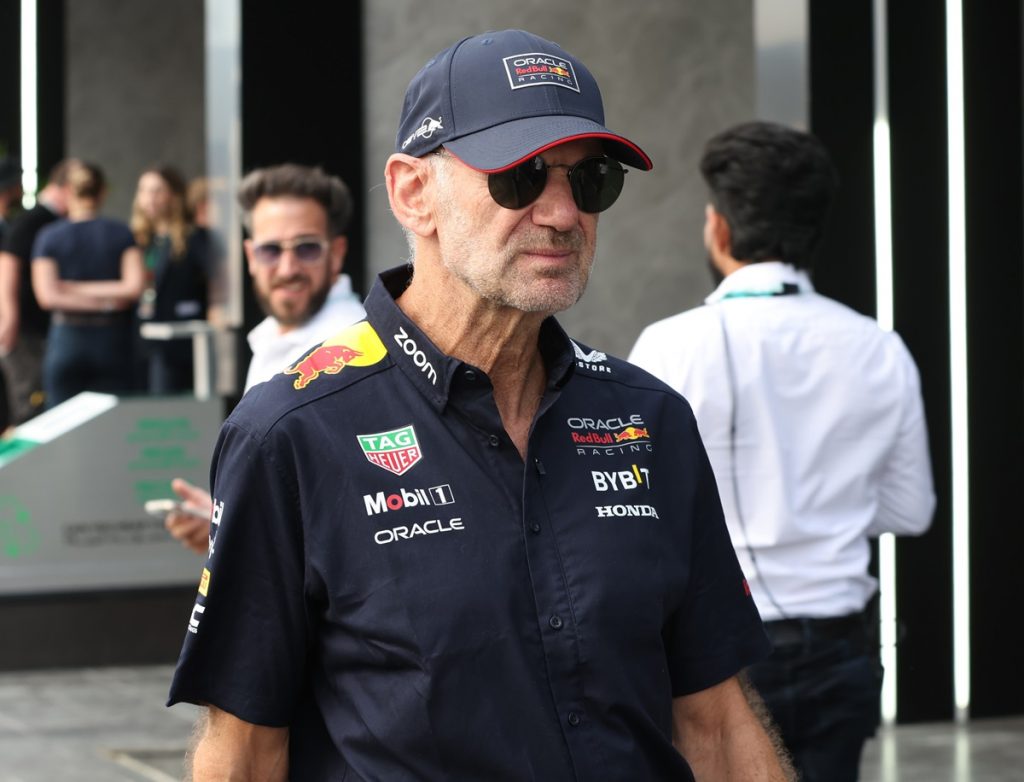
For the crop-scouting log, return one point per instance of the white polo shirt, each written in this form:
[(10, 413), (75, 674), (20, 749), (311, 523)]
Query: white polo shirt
[(830, 444), (273, 351)]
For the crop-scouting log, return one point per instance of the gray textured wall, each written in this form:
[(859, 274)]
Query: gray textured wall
[(672, 72), (134, 90)]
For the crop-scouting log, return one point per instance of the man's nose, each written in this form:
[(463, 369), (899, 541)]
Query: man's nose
[(556, 207), (288, 263)]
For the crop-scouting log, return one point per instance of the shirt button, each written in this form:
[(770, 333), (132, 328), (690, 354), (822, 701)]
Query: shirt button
[(535, 527), (494, 440), (574, 718), (470, 375), (555, 622)]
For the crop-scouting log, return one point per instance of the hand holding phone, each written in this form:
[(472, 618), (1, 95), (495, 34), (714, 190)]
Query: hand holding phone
[(162, 507)]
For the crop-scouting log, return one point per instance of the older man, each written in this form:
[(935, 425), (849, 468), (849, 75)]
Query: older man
[(452, 543)]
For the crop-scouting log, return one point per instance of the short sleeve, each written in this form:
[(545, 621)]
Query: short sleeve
[(717, 630), (246, 640), (43, 246), (125, 237)]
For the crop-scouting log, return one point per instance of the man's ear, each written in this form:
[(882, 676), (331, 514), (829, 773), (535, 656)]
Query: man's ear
[(338, 250), (247, 246), (406, 179), (717, 234)]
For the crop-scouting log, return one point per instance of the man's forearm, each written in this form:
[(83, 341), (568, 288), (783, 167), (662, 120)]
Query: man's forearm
[(227, 748), (725, 733)]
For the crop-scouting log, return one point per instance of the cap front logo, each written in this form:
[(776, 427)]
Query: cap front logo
[(536, 69)]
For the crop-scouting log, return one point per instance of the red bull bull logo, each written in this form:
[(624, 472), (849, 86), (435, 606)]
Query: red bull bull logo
[(328, 359), (631, 433)]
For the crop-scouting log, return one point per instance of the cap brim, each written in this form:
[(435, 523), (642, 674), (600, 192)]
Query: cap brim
[(507, 145)]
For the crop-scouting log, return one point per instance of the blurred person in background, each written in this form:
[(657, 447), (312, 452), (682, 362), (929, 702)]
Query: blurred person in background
[(10, 195), (197, 202), (10, 190), (23, 323), (296, 217), (87, 271), (177, 258), (813, 420)]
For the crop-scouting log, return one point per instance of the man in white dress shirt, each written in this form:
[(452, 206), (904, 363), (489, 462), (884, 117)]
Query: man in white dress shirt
[(296, 217), (813, 420)]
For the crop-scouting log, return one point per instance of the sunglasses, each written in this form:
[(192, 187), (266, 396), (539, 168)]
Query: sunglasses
[(595, 182), (305, 250)]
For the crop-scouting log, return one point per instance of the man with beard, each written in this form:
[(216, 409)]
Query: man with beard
[(813, 419), (446, 547), (296, 218)]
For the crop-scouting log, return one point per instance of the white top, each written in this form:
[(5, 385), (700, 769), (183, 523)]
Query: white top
[(273, 351), (830, 446)]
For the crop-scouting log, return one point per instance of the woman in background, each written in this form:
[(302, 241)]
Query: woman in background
[(177, 275), (88, 272)]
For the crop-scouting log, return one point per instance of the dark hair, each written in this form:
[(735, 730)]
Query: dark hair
[(87, 181), (290, 179), (61, 171), (774, 186)]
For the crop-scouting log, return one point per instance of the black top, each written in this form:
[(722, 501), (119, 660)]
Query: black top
[(181, 282), (85, 249), (21, 234), (387, 578)]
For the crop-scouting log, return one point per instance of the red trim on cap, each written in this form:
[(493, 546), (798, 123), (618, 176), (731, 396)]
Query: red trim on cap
[(566, 140)]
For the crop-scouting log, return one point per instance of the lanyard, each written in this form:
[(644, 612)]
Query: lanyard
[(787, 289)]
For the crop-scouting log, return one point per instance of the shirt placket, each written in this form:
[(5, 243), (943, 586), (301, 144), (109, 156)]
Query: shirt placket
[(554, 611)]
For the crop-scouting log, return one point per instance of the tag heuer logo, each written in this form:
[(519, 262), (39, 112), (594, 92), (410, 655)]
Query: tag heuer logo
[(396, 451)]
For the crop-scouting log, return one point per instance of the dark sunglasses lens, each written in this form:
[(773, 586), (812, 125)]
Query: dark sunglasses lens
[(268, 254), (519, 186), (596, 183), (309, 251)]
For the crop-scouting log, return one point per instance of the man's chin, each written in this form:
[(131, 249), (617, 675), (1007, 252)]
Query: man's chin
[(290, 311), (290, 316)]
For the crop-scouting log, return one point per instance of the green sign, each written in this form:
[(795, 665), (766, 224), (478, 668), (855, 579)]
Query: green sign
[(18, 536)]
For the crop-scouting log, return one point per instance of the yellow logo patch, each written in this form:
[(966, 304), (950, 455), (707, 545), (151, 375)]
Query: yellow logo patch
[(358, 346)]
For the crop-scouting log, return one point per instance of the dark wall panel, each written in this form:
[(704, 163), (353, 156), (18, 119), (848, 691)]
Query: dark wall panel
[(10, 83), (841, 115), (917, 110), (302, 102), (995, 291), (50, 15)]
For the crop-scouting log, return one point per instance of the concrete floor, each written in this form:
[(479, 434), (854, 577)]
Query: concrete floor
[(110, 725)]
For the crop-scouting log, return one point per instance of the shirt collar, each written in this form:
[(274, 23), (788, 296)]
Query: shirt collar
[(425, 366), (763, 278)]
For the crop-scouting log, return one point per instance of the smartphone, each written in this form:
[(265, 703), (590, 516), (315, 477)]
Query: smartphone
[(162, 507)]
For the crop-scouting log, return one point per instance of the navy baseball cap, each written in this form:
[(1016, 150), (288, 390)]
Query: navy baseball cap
[(499, 98)]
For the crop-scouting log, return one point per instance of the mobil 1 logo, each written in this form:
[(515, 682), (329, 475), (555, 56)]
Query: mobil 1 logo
[(382, 502)]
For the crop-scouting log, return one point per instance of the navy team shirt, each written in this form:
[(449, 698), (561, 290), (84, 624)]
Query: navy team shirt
[(392, 582)]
